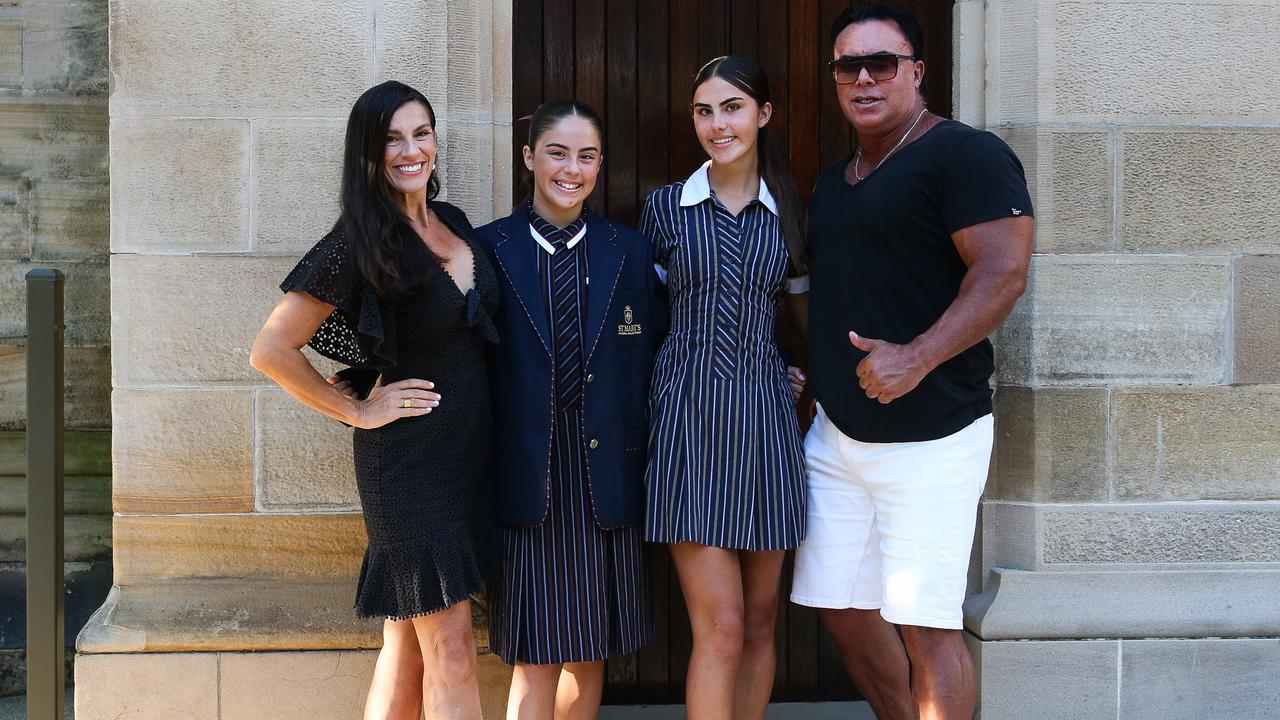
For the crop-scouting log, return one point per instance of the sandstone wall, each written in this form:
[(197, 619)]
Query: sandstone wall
[(1138, 380)]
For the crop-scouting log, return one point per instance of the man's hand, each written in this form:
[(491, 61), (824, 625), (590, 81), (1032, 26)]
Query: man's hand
[(888, 371)]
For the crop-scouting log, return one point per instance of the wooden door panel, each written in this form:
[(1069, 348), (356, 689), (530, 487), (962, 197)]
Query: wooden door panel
[(634, 61)]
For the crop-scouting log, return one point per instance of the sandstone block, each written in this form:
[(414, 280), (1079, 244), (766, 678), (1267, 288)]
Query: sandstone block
[(968, 57), (1047, 680), (45, 15), (471, 75), (84, 453), (15, 217), (1192, 679), (53, 138), (82, 495), (305, 458), (1257, 333), (285, 548), (1010, 536), (222, 71), (1130, 319), (71, 60), (1112, 62), (196, 200), (416, 41), (502, 193), (297, 172), (87, 400), (500, 58), (1205, 443), (70, 219), (1051, 445), (1071, 175), (305, 685), (85, 295), (84, 538), (182, 451), (1203, 191), (161, 685), (10, 52), (190, 320), (1013, 341), (1159, 534), (1013, 88), (466, 160)]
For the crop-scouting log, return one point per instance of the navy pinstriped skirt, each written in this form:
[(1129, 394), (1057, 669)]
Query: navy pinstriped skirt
[(569, 591)]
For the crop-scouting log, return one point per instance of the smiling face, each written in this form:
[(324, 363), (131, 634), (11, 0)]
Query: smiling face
[(875, 106), (727, 120), (565, 163), (410, 155)]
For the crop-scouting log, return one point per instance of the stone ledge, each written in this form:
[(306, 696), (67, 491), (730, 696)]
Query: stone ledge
[(237, 615), (1023, 605), (228, 615)]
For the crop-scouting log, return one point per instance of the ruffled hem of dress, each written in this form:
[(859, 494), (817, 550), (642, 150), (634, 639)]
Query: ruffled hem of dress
[(411, 580)]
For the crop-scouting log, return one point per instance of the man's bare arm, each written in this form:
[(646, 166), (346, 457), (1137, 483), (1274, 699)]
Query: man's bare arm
[(998, 254)]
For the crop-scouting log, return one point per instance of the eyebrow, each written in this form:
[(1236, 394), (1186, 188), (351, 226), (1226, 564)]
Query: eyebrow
[(393, 131), (735, 98), (590, 148)]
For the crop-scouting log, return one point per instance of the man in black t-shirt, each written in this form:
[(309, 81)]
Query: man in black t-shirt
[(919, 247)]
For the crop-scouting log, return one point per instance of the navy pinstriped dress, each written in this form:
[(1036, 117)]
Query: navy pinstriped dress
[(726, 466), (569, 591)]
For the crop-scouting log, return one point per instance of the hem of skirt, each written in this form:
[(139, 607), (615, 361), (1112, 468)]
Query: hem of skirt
[(771, 547), (418, 613), (613, 652)]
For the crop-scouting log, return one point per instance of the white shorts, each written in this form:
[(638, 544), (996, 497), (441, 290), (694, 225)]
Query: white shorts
[(890, 525)]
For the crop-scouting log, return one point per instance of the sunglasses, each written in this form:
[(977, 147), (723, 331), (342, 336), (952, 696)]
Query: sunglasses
[(882, 66)]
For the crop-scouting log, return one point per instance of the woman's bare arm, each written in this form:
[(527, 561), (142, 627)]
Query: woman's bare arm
[(277, 353)]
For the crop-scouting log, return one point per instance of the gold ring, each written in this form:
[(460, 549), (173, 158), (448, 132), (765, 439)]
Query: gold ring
[(408, 403)]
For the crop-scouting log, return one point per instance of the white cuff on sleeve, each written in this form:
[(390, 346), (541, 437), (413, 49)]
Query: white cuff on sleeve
[(798, 285)]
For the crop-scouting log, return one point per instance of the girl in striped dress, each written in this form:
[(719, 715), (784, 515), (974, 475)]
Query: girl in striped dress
[(581, 319), (726, 479)]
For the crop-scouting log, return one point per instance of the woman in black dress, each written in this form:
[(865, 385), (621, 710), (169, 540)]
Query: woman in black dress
[(398, 291)]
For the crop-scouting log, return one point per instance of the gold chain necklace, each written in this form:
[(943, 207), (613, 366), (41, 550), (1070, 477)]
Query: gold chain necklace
[(858, 156)]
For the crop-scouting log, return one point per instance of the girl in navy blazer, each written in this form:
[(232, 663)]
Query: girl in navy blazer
[(582, 316)]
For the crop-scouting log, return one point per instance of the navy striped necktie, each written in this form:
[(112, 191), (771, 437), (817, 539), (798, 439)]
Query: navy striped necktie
[(566, 308)]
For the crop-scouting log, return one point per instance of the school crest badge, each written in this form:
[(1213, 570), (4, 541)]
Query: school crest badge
[(629, 326)]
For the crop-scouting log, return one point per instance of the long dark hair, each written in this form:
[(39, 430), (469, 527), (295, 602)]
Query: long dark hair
[(545, 118), (387, 251), (750, 79)]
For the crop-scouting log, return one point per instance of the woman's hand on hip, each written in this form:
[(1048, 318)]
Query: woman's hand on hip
[(400, 399)]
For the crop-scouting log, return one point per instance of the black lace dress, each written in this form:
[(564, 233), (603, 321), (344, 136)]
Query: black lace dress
[(425, 482)]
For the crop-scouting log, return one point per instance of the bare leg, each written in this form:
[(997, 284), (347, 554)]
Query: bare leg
[(942, 678), (449, 659), (533, 692), (396, 690), (761, 572), (711, 580), (579, 691), (876, 660)]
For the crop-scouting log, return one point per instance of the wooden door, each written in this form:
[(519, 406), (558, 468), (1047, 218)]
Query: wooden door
[(634, 61)]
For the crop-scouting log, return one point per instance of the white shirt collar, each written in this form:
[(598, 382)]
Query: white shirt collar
[(698, 189), (551, 248)]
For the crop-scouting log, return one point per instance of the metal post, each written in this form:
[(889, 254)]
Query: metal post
[(45, 631)]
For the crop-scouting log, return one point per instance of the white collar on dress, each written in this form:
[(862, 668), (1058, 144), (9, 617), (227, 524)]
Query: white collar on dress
[(698, 189), (569, 244)]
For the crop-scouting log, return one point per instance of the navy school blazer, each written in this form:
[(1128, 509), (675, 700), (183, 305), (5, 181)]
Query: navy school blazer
[(626, 320)]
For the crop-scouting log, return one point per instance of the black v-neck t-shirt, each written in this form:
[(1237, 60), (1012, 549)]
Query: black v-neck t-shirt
[(882, 264)]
